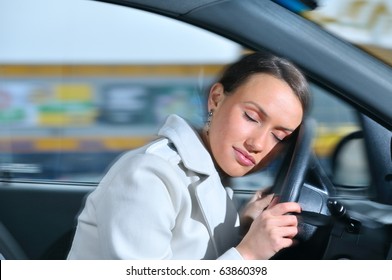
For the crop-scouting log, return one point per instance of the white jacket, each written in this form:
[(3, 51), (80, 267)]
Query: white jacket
[(162, 201)]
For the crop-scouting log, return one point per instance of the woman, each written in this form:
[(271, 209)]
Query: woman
[(166, 200)]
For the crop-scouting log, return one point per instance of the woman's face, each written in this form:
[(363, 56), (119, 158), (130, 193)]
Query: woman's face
[(247, 125)]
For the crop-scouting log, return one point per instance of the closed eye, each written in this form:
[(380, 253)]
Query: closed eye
[(278, 139), (249, 118), (280, 136)]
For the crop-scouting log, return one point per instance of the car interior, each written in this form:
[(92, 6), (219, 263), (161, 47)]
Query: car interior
[(338, 166)]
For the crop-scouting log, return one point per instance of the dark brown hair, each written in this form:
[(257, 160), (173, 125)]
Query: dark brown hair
[(239, 72)]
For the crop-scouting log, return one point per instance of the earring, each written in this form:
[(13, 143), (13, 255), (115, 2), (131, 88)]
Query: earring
[(208, 123)]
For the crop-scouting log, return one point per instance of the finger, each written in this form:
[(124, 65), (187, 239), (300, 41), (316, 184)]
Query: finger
[(280, 222), (255, 197), (288, 232), (287, 242), (282, 242), (286, 221), (284, 208), (263, 202)]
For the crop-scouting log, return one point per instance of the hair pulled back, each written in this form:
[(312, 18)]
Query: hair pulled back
[(239, 72)]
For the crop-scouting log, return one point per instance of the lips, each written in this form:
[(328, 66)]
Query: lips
[(244, 158)]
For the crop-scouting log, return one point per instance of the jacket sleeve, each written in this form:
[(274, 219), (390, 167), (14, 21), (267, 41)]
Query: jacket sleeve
[(137, 209), (231, 254)]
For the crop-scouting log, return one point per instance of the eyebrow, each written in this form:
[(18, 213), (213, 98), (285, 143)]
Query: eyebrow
[(262, 111)]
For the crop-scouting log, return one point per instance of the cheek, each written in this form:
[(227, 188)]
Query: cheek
[(269, 156), (232, 130), (271, 145), (220, 139), (223, 134)]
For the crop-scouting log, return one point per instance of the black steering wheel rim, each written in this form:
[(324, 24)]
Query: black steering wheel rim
[(291, 176)]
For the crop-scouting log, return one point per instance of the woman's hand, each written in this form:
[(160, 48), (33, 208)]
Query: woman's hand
[(259, 201), (271, 230)]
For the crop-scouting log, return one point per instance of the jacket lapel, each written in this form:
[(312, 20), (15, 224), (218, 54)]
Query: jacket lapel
[(216, 207)]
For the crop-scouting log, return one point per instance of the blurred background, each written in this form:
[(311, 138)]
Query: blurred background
[(81, 81)]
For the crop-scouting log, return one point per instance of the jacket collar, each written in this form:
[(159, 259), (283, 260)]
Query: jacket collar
[(189, 145), (220, 214)]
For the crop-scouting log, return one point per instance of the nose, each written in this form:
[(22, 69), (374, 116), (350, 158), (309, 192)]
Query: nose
[(257, 141)]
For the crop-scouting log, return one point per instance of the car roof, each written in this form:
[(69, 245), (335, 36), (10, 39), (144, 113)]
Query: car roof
[(354, 75)]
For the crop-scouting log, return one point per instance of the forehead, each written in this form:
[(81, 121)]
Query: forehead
[(274, 96), (265, 86)]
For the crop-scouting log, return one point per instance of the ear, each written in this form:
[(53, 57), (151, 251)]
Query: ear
[(216, 96)]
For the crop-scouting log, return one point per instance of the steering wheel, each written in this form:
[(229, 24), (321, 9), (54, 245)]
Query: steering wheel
[(324, 231), (295, 165)]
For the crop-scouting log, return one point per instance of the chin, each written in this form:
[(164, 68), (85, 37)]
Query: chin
[(237, 173)]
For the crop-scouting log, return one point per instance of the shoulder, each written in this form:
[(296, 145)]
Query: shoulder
[(164, 149), (157, 157)]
